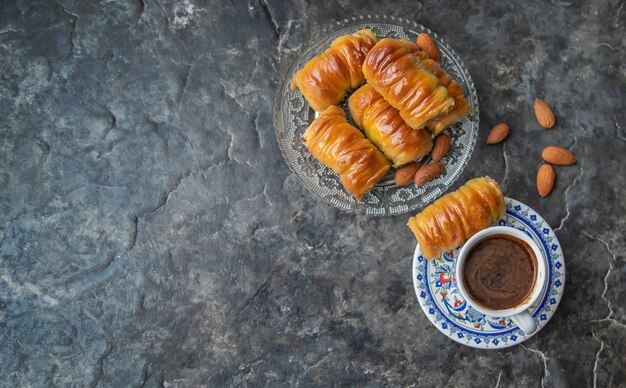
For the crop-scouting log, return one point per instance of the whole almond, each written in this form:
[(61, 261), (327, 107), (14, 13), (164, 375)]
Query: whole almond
[(544, 114), (558, 155), (498, 133), (406, 173), (441, 147), (428, 172), (430, 48), (545, 179)]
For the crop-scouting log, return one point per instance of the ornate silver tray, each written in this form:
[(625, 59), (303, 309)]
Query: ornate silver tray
[(292, 116)]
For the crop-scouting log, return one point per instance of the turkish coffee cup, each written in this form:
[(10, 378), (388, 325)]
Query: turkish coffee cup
[(501, 272)]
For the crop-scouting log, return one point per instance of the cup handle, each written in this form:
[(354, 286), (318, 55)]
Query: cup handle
[(525, 322)]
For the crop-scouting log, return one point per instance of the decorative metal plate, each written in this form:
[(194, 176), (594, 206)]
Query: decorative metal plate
[(435, 286), (293, 115)]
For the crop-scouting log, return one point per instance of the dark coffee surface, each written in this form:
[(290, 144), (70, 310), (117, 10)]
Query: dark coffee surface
[(499, 272)]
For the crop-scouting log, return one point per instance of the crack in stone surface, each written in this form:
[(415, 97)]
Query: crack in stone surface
[(268, 14), (284, 38), (100, 365), (144, 377), (183, 86), (608, 318), (255, 69), (260, 229), (567, 212), (621, 5), (112, 123), (133, 233), (30, 288), (236, 100), (322, 359), (618, 129), (230, 146), (95, 269), (165, 197), (498, 381), (257, 132), (141, 304), (191, 142), (45, 151), (253, 198), (134, 226), (8, 29), (142, 9), (543, 359), (595, 364), (162, 203), (74, 23), (163, 139), (607, 45), (229, 156), (506, 165), (264, 286)]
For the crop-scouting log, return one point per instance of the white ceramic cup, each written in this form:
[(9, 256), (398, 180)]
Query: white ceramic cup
[(520, 314)]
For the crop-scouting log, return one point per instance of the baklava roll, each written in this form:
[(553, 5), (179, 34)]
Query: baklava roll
[(452, 219), (461, 105), (325, 79), (343, 148), (403, 80), (384, 127)]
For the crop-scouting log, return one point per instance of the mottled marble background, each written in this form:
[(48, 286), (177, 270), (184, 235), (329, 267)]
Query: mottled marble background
[(151, 233)]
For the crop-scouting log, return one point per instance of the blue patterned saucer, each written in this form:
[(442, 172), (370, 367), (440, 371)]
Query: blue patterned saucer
[(435, 286)]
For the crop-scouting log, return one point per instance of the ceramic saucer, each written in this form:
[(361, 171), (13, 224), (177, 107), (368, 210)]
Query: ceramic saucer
[(434, 283)]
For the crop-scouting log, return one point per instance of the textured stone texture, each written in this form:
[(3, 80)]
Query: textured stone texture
[(151, 233)]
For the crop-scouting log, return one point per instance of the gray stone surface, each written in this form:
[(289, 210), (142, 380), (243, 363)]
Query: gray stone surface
[(151, 233)]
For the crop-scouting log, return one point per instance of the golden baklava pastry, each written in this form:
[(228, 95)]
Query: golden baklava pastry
[(343, 148), (406, 83), (461, 105), (413, 47), (325, 79), (384, 127), (452, 219)]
